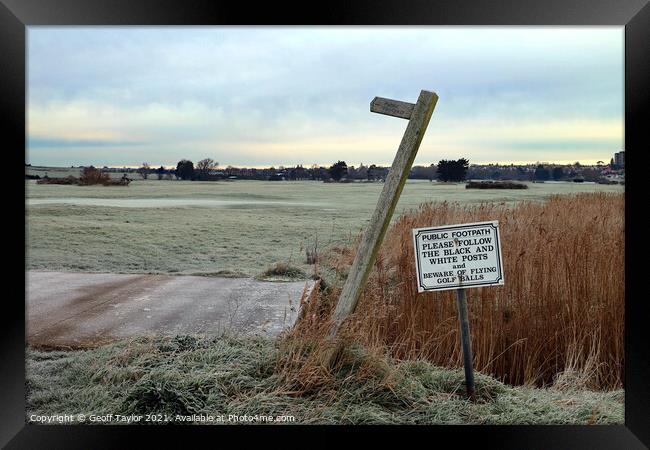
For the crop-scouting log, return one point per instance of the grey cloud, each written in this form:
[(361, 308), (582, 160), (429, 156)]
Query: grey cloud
[(276, 83)]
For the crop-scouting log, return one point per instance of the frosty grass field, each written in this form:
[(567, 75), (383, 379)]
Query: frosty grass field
[(241, 228), (237, 228)]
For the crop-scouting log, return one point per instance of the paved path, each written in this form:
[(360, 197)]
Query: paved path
[(86, 309)]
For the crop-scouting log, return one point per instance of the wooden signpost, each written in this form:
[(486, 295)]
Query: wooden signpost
[(418, 115), (459, 257), (450, 257)]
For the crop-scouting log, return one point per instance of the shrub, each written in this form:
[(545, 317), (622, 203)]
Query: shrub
[(67, 180), (495, 185), (91, 175), (283, 269)]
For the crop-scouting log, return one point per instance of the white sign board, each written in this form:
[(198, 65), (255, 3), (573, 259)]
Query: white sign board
[(458, 256)]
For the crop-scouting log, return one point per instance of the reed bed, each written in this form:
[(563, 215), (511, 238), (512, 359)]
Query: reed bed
[(558, 320)]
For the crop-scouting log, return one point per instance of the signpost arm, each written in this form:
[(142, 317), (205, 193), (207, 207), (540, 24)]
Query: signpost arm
[(461, 302), (399, 171)]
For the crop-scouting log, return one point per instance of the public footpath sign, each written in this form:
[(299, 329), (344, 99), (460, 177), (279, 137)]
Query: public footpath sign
[(458, 256)]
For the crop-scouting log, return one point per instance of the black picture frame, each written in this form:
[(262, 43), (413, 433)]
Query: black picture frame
[(16, 15)]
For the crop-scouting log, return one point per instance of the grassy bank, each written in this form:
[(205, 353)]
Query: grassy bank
[(240, 376)]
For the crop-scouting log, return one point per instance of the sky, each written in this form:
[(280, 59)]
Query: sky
[(262, 96)]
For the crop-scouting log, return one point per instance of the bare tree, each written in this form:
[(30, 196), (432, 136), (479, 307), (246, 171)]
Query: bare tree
[(144, 170), (204, 167)]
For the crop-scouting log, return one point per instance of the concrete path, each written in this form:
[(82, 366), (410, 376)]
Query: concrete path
[(87, 309)]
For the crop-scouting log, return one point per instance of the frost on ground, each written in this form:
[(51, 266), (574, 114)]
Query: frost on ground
[(240, 376), (244, 375), (248, 227)]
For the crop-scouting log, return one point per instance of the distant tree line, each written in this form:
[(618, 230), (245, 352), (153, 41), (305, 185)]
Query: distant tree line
[(458, 170), (537, 172), (208, 170)]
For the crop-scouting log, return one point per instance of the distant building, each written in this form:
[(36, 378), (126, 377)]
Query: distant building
[(619, 158)]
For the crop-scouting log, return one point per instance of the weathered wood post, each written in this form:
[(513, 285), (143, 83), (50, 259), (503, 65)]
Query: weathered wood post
[(461, 303), (418, 115)]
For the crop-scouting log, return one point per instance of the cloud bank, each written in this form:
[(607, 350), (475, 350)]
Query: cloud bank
[(260, 96)]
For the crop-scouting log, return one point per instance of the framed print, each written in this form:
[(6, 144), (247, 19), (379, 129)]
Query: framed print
[(328, 219)]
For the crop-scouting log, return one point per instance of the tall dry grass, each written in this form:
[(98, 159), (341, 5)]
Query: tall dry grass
[(558, 319)]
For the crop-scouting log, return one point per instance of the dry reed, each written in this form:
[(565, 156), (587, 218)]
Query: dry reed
[(558, 319)]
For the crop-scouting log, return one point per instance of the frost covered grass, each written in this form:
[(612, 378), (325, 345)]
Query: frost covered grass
[(262, 223), (229, 375), (281, 271), (249, 225)]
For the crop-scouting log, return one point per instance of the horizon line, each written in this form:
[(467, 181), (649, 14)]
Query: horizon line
[(307, 166)]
